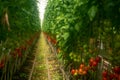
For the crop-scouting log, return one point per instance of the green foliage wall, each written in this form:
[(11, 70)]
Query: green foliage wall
[(74, 22), (23, 19)]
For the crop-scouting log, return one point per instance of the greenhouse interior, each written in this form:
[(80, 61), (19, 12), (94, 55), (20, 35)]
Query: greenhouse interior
[(59, 39)]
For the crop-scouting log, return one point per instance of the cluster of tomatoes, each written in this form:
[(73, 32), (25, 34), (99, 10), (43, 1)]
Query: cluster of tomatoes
[(50, 39), (18, 51), (29, 42), (113, 75), (83, 69), (93, 62)]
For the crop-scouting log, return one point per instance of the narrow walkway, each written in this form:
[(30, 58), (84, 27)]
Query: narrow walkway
[(46, 66)]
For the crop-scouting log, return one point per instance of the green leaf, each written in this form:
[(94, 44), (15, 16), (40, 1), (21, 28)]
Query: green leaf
[(77, 27), (92, 12), (66, 35), (59, 18), (65, 27)]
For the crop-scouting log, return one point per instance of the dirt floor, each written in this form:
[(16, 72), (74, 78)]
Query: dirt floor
[(46, 66), (42, 64)]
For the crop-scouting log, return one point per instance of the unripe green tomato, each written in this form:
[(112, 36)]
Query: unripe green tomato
[(75, 59), (74, 56), (75, 74)]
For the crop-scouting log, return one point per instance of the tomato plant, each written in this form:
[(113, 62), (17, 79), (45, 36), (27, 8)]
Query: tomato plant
[(84, 30), (19, 30)]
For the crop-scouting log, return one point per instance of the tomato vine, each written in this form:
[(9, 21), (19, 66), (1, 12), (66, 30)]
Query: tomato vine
[(19, 30), (85, 28)]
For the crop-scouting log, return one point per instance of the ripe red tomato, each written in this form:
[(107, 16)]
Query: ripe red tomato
[(97, 59), (116, 69), (104, 78), (73, 71), (84, 72), (117, 76), (91, 61), (112, 76), (105, 73), (80, 71), (82, 66), (86, 68), (94, 63)]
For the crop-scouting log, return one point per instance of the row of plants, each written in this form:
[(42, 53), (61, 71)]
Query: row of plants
[(19, 31), (11, 60), (85, 30)]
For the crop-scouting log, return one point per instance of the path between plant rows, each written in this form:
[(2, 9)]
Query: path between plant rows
[(45, 66)]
